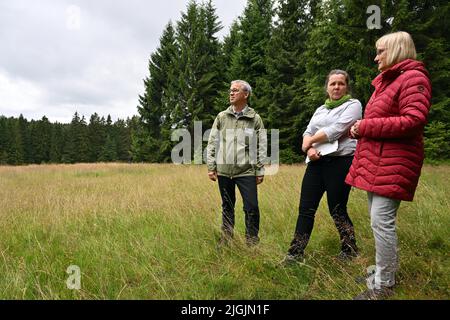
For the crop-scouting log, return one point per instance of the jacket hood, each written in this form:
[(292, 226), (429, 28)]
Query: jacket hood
[(249, 113)]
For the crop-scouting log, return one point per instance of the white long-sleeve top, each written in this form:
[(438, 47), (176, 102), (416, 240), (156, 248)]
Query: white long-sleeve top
[(336, 124)]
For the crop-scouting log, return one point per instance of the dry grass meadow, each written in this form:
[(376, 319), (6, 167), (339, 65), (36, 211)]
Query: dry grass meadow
[(148, 231)]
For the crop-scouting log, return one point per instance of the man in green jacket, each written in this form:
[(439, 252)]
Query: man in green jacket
[(236, 151)]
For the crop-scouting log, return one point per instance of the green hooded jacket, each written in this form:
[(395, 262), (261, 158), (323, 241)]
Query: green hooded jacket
[(237, 145)]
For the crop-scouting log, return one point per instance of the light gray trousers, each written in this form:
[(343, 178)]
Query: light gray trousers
[(383, 213)]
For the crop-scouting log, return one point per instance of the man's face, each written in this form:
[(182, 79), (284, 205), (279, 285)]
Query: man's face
[(237, 94)]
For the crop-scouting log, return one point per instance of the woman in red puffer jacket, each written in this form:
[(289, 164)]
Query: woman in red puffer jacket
[(390, 152)]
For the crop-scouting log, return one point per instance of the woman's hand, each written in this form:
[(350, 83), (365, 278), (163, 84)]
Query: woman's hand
[(307, 143), (313, 155), (354, 130)]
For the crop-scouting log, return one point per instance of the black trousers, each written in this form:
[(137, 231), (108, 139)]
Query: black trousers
[(249, 192), (325, 175)]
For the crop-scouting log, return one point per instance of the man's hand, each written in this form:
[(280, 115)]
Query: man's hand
[(259, 180), (212, 175), (313, 155), (307, 143)]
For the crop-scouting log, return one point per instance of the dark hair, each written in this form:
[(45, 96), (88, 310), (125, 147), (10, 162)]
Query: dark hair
[(342, 72)]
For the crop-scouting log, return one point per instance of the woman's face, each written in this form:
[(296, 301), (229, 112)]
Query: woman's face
[(336, 87), (381, 57)]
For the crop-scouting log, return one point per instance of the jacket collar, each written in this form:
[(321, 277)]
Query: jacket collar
[(393, 72), (248, 112)]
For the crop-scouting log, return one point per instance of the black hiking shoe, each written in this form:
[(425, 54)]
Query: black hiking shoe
[(251, 241), (290, 260), (347, 255), (224, 241)]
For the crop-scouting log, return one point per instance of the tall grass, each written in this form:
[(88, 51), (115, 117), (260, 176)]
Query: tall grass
[(150, 232)]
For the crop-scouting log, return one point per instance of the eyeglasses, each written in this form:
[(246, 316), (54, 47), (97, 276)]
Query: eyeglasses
[(234, 91), (380, 51)]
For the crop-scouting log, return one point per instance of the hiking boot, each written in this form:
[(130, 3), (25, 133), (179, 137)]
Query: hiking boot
[(375, 294), (347, 255), (290, 260), (251, 241), (224, 241)]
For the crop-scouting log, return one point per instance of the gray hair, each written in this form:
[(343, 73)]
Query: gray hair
[(244, 84)]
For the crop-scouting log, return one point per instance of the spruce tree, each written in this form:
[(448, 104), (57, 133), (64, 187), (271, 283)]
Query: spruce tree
[(96, 137), (122, 140), (40, 141), (197, 67), (19, 152), (285, 81), (154, 112), (140, 148), (109, 152), (4, 140), (23, 150), (57, 142), (228, 49), (428, 24), (249, 56), (192, 97), (76, 148)]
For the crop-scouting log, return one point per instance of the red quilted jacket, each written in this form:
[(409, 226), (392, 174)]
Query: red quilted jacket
[(389, 154)]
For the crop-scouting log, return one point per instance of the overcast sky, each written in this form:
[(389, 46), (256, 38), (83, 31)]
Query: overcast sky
[(58, 56)]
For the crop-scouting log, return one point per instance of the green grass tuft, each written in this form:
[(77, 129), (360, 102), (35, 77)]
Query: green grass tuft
[(150, 232)]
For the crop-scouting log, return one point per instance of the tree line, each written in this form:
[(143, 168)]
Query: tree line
[(36, 142), (284, 49)]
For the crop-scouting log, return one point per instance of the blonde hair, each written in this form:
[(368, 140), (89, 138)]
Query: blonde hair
[(399, 46)]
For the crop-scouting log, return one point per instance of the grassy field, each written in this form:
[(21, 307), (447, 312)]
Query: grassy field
[(150, 232)]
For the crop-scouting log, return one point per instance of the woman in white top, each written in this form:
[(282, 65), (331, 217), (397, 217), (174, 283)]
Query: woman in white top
[(330, 152)]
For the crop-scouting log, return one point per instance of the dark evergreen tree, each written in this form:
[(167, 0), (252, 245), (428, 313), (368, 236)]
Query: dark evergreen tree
[(154, 114), (140, 147), (18, 133), (109, 152), (4, 140), (428, 24), (195, 77), (57, 143), (96, 137), (22, 148), (228, 50), (122, 140), (249, 56), (40, 141), (285, 81), (81, 141), (199, 74), (76, 142), (284, 57)]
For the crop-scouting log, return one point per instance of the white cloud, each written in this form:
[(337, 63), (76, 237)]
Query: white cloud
[(58, 57), (17, 95)]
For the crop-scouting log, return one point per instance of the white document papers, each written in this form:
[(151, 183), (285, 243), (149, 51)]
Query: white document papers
[(324, 148)]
